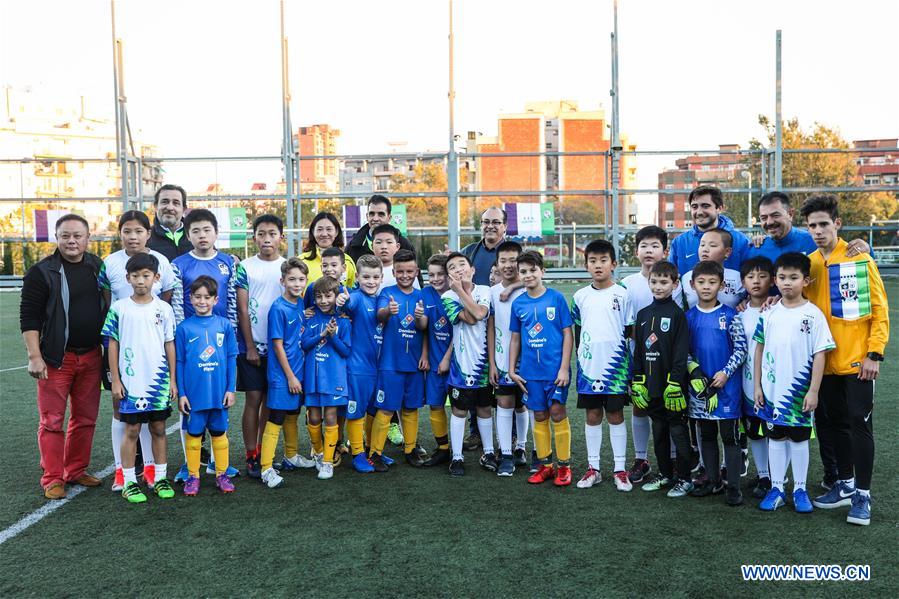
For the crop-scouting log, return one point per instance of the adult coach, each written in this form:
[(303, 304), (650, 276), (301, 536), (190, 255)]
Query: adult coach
[(706, 207), (377, 213), (168, 236), (482, 253), (850, 293), (61, 315), (325, 232)]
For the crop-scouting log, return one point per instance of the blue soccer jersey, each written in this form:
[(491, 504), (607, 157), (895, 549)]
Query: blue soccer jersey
[(206, 361), (440, 330), (366, 333), (221, 267), (401, 347), (717, 343), (540, 322), (285, 322), (326, 357)]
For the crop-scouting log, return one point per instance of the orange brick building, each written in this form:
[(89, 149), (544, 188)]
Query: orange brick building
[(318, 174)]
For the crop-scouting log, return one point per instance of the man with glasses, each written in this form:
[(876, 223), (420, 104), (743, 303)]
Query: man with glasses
[(483, 252)]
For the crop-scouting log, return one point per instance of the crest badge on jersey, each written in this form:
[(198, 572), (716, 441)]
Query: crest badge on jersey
[(219, 339), (722, 323), (806, 326), (665, 325), (223, 268), (551, 313)]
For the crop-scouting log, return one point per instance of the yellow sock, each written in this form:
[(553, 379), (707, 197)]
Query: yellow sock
[(542, 439), (269, 445), (220, 453), (562, 432), (291, 435), (410, 429), (192, 449), (330, 442), (379, 431), (369, 422), (440, 427), (354, 431), (315, 436)]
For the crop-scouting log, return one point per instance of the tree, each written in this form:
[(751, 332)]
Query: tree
[(423, 211)]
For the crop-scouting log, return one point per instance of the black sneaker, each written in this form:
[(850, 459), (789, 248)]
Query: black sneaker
[(414, 459), (378, 462), (744, 468), (420, 451), (519, 457), (703, 489), (638, 471), (457, 468), (733, 496), (762, 486), (488, 462), (254, 470), (440, 456), (472, 443)]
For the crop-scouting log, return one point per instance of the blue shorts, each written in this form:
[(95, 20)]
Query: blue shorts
[(325, 400), (199, 421), (362, 389), (280, 398), (436, 389), (542, 394), (398, 390)]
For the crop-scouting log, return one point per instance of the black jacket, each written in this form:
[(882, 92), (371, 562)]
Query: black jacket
[(358, 247), (45, 304), (662, 341), (165, 245)]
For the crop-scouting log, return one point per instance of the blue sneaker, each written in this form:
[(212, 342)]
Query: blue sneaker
[(387, 461), (801, 503), (361, 463), (506, 466), (773, 500), (182, 475), (840, 495), (860, 512), (231, 472)]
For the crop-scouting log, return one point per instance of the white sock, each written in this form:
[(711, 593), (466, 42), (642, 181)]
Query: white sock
[(849, 482), (504, 418), (593, 432), (118, 431), (160, 472), (183, 434), (457, 435), (485, 428), (618, 436), (640, 428), (522, 423), (777, 460), (698, 446), (130, 476), (146, 444), (864, 492), (799, 457), (760, 456)]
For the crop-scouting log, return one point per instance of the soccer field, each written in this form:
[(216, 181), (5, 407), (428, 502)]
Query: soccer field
[(420, 532)]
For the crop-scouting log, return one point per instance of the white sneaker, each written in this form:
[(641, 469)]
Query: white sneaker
[(622, 482), (591, 477), (271, 478), (327, 471), (318, 461), (299, 461)]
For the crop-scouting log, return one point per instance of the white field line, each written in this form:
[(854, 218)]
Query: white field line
[(14, 368)]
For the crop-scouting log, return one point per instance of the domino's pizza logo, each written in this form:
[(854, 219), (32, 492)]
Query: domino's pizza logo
[(441, 322), (406, 321), (207, 353), (535, 330), (650, 340)]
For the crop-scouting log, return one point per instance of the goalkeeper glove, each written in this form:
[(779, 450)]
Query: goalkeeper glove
[(674, 397), (639, 392)]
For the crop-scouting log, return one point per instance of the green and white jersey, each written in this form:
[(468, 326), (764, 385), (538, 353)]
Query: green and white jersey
[(469, 367), (142, 331), (262, 281), (603, 354), (114, 278), (502, 315)]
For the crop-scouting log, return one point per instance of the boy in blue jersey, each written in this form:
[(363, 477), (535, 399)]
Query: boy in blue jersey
[(541, 334), (718, 348), (206, 369), (362, 367), (603, 315), (400, 381), (285, 330), (334, 266), (326, 341)]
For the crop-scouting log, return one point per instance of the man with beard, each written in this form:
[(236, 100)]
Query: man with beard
[(168, 236), (377, 213), (706, 207)]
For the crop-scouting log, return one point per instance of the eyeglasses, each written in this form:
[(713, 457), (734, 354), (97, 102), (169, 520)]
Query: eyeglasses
[(488, 223)]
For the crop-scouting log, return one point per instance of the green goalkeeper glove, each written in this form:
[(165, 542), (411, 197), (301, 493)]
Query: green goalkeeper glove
[(700, 387), (674, 397), (639, 392)]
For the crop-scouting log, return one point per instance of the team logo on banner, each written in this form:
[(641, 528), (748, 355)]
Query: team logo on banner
[(551, 313), (665, 325)]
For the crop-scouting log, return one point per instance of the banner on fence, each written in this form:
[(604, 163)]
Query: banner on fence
[(398, 218), (352, 217), (530, 219), (232, 227), (45, 224)]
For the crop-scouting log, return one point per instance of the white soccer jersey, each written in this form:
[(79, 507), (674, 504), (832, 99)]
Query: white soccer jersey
[(731, 292), (114, 278), (469, 368), (750, 321), (262, 280), (792, 337), (502, 314), (603, 355)]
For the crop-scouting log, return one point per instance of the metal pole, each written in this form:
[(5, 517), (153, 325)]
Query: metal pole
[(452, 160), (119, 133), (616, 139), (778, 126), (287, 143)]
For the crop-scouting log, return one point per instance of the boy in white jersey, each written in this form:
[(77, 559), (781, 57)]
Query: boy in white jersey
[(792, 337), (258, 282), (716, 245), (509, 407), (603, 317)]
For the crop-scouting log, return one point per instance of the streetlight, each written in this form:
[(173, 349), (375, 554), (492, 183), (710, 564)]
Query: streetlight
[(748, 175)]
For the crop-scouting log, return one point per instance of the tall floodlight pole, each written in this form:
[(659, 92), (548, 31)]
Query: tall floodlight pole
[(616, 134), (452, 161), (287, 145), (778, 125)]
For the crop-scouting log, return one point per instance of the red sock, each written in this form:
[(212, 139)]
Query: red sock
[(252, 454)]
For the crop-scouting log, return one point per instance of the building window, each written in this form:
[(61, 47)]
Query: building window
[(872, 179), (669, 206)]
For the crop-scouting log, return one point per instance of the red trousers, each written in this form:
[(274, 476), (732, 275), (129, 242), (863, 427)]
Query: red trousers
[(66, 454)]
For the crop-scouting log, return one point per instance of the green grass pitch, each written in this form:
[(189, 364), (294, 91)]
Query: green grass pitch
[(419, 532)]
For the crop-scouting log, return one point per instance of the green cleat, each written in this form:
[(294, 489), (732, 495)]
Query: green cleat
[(657, 482), (133, 493), (394, 435), (164, 489)]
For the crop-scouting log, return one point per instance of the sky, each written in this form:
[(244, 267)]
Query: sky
[(203, 78)]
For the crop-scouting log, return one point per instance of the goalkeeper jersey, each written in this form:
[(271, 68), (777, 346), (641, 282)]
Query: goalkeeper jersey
[(469, 368), (206, 361), (502, 315), (114, 278), (541, 323), (661, 345), (603, 355), (717, 343), (261, 279)]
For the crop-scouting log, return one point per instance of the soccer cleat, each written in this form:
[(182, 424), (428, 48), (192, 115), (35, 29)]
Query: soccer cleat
[(387, 461), (657, 482), (638, 471), (182, 474), (488, 462), (394, 434), (762, 486), (700, 476), (702, 489), (133, 493), (118, 483), (773, 500), (542, 475), (271, 478), (681, 488), (563, 476), (440, 456), (231, 472), (192, 486), (622, 482), (591, 477), (519, 457), (801, 503), (472, 443), (254, 470), (326, 472), (414, 459), (457, 468), (223, 482), (860, 512), (535, 462), (733, 497), (829, 480), (297, 462), (378, 463), (744, 467), (339, 452), (506, 466), (420, 451), (319, 459), (840, 494), (362, 464), (163, 489)]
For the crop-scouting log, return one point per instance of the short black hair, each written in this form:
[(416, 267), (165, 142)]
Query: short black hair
[(270, 219), (453, 255), (333, 252), (508, 246), (386, 228), (142, 261), (403, 256), (211, 285), (653, 232), (137, 215), (663, 268), (760, 263), (727, 237), (379, 199), (711, 190), (200, 215), (796, 261), (600, 247), (821, 203), (775, 196), (171, 187), (70, 217), (708, 267), (530, 257)]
